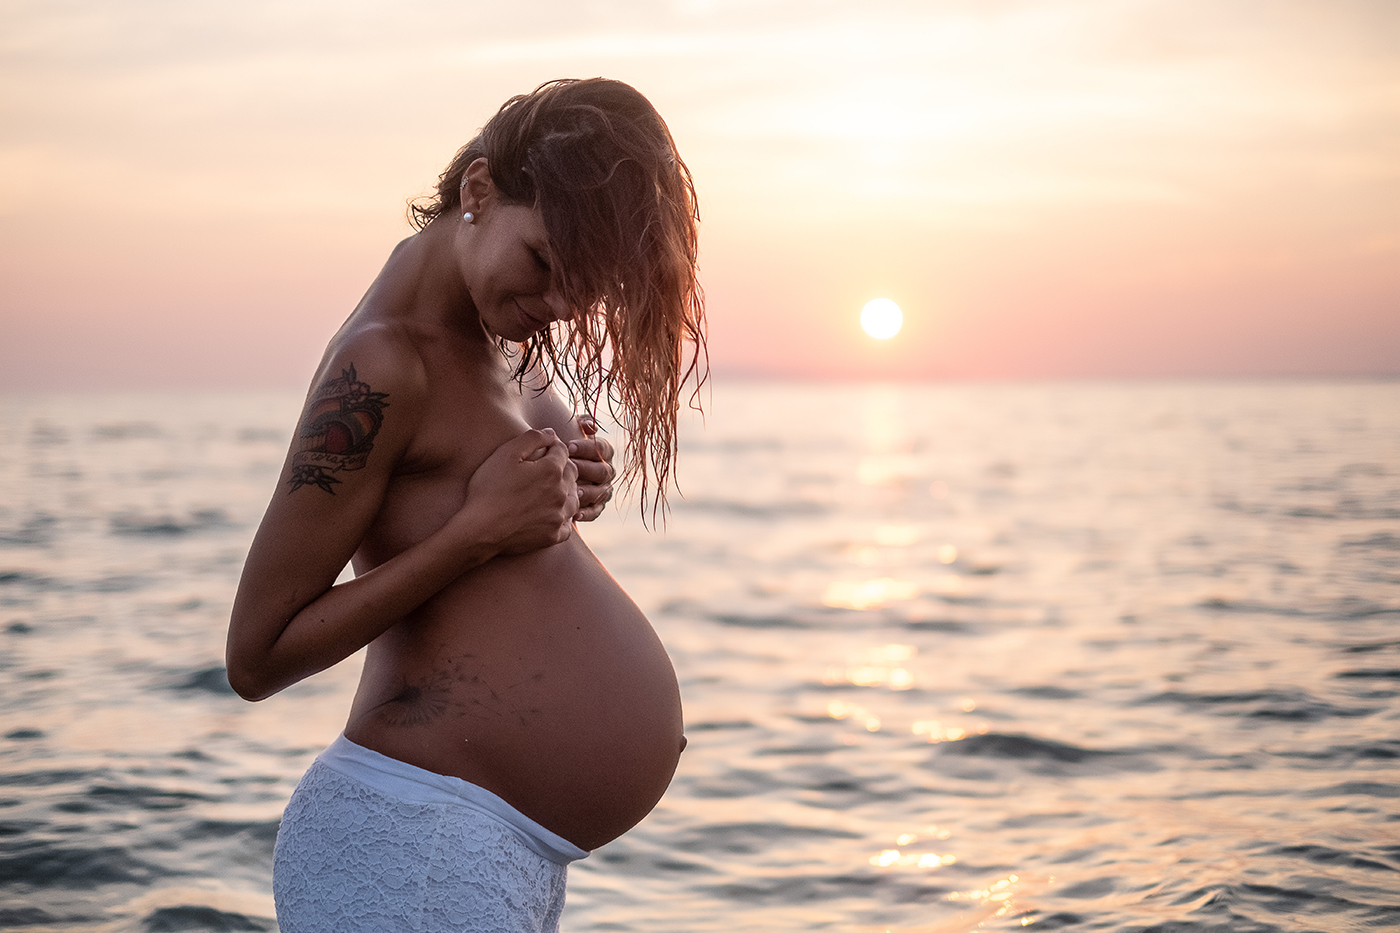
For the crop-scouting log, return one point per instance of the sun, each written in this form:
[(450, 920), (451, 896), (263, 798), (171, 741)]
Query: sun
[(881, 318)]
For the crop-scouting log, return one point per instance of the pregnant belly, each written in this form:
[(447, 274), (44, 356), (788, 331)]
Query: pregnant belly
[(537, 678)]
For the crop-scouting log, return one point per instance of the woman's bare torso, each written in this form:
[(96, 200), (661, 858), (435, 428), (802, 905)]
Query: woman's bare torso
[(533, 676)]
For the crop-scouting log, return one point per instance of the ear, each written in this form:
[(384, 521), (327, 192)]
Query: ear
[(478, 190)]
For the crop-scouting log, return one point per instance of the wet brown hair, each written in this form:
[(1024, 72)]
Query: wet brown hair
[(619, 206)]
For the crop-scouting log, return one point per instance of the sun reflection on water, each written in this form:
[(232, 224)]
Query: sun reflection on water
[(899, 858), (997, 899), (893, 857), (868, 594), (897, 535), (837, 709), (937, 731), (879, 667), (1169, 740), (996, 891)]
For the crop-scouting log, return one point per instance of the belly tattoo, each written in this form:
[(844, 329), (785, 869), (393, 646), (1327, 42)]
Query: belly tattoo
[(453, 689)]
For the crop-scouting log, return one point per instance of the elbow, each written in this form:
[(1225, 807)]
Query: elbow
[(248, 681), (246, 685), (250, 664)]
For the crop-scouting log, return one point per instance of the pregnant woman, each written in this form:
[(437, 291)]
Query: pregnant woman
[(516, 709)]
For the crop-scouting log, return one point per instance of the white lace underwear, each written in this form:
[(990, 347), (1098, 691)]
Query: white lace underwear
[(370, 844)]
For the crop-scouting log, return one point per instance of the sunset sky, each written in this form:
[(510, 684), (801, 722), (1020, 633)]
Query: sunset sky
[(196, 194)]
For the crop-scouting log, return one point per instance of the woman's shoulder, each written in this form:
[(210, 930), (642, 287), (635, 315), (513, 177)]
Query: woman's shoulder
[(389, 341), (378, 355)]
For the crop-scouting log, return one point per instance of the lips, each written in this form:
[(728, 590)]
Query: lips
[(532, 323)]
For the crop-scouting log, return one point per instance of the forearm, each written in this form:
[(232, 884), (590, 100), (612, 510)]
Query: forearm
[(290, 621), (348, 616)]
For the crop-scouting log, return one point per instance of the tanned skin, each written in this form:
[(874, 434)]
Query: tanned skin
[(500, 649)]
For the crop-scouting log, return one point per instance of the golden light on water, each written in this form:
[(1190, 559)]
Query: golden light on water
[(878, 667), (896, 678), (937, 731), (890, 857), (837, 709), (881, 318), (868, 594), (896, 535)]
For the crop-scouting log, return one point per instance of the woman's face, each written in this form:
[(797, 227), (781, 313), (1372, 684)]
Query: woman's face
[(506, 266)]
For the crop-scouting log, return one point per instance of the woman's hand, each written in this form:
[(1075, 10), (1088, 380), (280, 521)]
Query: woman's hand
[(526, 494), (592, 456)]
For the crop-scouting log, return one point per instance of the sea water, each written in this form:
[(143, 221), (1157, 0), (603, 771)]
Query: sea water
[(954, 658)]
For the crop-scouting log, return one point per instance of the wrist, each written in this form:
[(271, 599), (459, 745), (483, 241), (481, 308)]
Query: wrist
[(474, 536)]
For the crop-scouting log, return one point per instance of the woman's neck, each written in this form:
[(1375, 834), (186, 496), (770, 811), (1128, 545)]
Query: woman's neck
[(421, 285)]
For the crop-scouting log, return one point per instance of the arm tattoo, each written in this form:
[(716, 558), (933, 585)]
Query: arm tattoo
[(337, 433)]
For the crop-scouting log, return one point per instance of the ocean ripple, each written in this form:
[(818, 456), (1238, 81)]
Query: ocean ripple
[(1172, 706)]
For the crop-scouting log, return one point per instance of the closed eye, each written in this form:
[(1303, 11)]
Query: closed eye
[(540, 260)]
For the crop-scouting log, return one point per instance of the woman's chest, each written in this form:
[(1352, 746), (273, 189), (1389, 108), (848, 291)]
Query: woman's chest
[(457, 431)]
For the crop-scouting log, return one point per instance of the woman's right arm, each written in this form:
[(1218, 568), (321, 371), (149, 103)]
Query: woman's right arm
[(290, 620)]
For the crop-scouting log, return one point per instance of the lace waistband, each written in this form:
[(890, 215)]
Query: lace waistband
[(411, 784)]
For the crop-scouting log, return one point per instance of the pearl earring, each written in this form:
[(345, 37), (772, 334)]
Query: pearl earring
[(469, 217)]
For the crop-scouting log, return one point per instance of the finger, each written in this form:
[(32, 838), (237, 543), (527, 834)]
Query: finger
[(592, 499), (593, 472), (533, 444), (593, 448), (556, 451), (587, 425), (590, 508)]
